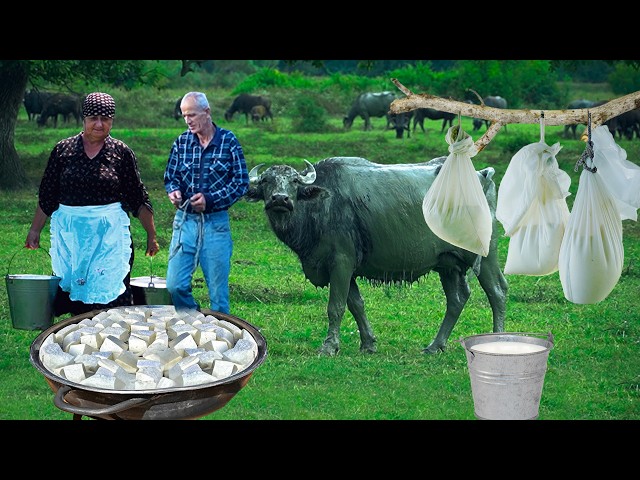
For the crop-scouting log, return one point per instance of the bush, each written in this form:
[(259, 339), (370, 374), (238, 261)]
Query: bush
[(307, 115), (624, 79)]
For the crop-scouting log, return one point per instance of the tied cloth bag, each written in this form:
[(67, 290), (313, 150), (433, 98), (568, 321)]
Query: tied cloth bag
[(591, 254), (532, 209), (455, 207)]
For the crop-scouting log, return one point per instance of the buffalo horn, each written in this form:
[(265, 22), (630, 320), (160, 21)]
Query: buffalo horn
[(308, 175), (253, 174)]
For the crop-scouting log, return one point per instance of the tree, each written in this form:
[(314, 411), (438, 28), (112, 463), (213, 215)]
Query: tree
[(15, 75)]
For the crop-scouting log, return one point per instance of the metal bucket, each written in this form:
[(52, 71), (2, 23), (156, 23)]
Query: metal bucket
[(150, 291), (31, 298), (507, 373)]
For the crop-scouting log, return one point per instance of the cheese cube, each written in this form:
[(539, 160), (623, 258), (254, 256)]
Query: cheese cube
[(113, 344), (74, 373)]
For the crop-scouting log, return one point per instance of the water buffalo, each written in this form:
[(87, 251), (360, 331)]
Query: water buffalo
[(491, 101), (33, 101), (244, 102), (369, 105), (432, 114), (346, 217), (401, 122), (61, 104)]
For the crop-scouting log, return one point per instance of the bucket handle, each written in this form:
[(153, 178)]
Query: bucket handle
[(151, 284), (21, 249)]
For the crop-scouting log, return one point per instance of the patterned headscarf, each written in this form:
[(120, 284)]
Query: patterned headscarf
[(97, 104)]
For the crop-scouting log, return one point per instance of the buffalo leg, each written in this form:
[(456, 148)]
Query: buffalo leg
[(355, 303), (457, 291), (338, 292), (495, 286)]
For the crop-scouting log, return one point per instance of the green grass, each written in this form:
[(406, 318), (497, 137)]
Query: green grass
[(593, 369)]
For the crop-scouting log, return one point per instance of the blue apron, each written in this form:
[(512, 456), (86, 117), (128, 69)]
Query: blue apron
[(90, 251)]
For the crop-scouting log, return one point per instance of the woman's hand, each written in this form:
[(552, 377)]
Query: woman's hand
[(33, 240), (152, 246)]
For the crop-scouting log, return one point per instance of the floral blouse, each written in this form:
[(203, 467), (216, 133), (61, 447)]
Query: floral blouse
[(72, 178)]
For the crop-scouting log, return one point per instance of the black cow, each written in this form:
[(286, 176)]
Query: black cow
[(401, 122), (33, 101), (61, 104), (625, 124), (369, 105), (244, 102), (432, 114), (491, 101), (346, 217), (177, 111)]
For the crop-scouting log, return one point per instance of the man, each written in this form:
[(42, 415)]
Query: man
[(206, 174)]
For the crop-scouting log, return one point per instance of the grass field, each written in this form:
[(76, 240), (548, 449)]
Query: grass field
[(593, 369)]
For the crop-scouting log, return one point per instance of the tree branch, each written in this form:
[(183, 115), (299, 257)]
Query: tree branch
[(500, 117)]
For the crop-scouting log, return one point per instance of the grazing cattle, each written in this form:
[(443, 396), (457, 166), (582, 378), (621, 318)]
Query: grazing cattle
[(401, 122), (432, 114), (576, 104), (258, 113), (33, 101), (369, 105), (346, 217), (244, 102), (61, 104), (177, 111), (491, 101), (625, 124)]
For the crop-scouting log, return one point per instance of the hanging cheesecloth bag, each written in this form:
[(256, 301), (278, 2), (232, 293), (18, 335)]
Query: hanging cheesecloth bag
[(532, 208), (455, 207), (592, 254)]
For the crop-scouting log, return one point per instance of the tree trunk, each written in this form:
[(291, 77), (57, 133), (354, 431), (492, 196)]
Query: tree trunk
[(13, 82)]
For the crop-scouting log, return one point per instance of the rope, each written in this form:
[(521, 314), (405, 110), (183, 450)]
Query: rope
[(588, 152), (200, 233)]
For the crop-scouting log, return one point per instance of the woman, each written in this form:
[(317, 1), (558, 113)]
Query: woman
[(90, 185)]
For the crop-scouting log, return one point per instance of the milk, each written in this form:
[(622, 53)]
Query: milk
[(508, 347)]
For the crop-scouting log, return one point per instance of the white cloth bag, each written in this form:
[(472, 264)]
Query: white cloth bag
[(533, 210), (455, 207), (592, 254)]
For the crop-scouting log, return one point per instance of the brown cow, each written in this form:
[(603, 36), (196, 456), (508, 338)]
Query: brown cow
[(258, 113)]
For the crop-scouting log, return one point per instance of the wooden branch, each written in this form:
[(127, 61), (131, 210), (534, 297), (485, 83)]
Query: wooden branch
[(500, 117)]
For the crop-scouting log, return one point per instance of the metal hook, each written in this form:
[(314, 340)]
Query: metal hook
[(588, 151)]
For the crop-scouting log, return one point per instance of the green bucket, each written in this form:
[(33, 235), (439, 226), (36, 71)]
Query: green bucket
[(31, 298)]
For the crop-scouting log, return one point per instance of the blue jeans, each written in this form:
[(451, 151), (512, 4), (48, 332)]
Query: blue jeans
[(203, 240)]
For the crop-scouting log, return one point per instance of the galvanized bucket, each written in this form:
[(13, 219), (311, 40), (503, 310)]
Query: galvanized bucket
[(150, 290), (31, 299), (507, 373)]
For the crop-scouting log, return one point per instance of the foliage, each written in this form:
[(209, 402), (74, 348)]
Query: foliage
[(423, 78), (520, 82), (624, 79), (308, 116)]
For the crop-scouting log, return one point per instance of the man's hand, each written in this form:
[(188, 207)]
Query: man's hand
[(198, 202), (175, 197)]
